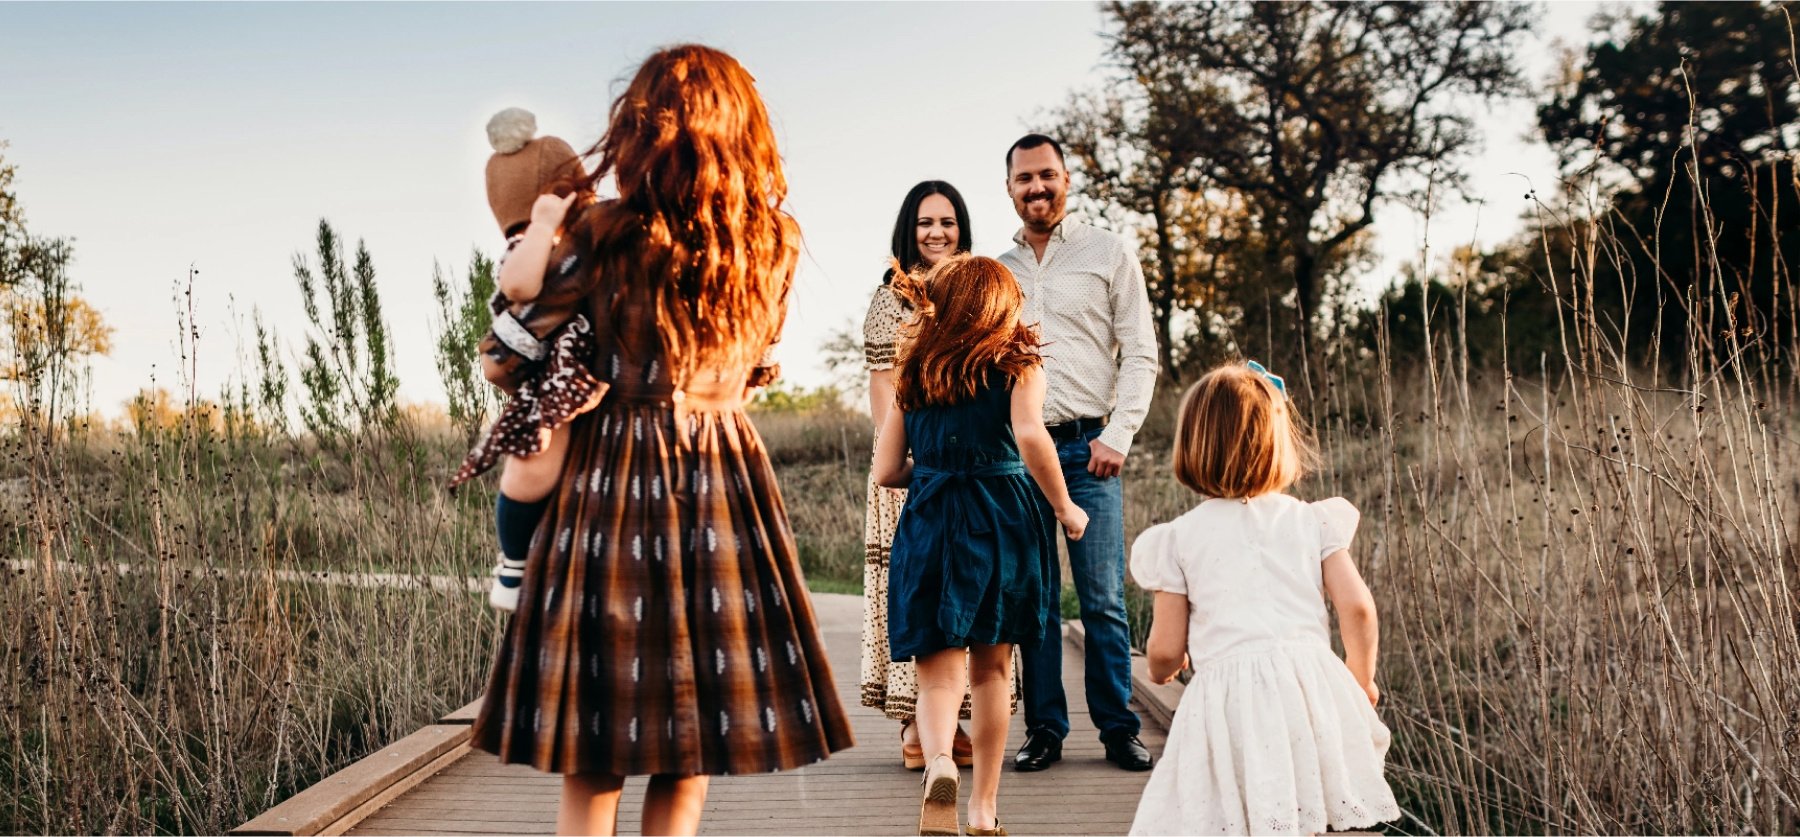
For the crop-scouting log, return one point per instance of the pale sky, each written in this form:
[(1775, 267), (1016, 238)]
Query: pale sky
[(160, 136)]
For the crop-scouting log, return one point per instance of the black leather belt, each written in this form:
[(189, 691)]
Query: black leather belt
[(1075, 429)]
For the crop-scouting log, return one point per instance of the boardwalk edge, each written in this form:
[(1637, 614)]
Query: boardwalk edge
[(338, 802)]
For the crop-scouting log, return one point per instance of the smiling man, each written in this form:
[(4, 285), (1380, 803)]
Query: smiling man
[(1085, 291)]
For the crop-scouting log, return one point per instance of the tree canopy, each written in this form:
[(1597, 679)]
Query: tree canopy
[(1693, 115)]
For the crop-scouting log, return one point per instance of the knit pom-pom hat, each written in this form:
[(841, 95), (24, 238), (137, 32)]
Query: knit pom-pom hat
[(525, 166)]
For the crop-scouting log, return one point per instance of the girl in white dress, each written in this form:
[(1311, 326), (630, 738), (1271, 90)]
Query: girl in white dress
[(1275, 734)]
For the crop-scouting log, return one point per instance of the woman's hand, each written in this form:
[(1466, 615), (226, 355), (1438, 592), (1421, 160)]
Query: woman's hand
[(549, 210), (1373, 691), (1073, 519)]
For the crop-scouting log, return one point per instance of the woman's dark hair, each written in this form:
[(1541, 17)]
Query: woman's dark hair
[(906, 240)]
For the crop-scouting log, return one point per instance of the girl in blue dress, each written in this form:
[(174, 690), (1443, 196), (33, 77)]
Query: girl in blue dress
[(971, 563)]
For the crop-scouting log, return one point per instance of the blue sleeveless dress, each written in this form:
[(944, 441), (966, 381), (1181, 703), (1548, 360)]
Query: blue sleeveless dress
[(973, 552)]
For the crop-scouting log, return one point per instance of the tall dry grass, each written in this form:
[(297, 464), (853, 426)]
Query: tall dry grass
[(1589, 580), (822, 459), (167, 674)]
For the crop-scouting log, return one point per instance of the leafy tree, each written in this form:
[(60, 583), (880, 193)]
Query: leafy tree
[(36, 334), (464, 319), (346, 369), (1693, 114), (12, 224), (49, 332), (1314, 112)]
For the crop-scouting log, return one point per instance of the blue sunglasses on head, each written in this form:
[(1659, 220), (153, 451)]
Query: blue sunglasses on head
[(1279, 382)]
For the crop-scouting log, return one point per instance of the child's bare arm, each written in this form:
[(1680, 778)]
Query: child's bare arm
[(892, 470), (1357, 621), (522, 277), (1166, 648), (1039, 451)]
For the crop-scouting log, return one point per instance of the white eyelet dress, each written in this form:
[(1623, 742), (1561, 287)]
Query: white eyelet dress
[(1273, 735)]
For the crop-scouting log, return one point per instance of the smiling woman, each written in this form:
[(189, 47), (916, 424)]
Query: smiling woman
[(933, 223)]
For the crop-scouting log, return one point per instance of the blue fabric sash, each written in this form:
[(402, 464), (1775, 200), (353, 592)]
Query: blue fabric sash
[(962, 506)]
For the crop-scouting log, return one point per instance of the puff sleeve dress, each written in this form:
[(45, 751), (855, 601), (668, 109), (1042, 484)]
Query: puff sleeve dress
[(1273, 734)]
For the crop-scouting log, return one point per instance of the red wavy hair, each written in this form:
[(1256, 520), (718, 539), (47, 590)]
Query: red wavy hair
[(966, 328), (698, 218)]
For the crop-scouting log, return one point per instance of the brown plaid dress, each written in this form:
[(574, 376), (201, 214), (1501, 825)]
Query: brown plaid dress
[(663, 625)]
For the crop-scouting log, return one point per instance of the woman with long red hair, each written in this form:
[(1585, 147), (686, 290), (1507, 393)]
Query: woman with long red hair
[(663, 627), (972, 562)]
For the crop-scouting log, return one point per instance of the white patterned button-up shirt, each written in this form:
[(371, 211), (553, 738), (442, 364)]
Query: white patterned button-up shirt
[(1088, 300)]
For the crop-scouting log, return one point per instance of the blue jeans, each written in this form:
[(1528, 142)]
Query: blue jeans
[(1098, 564)]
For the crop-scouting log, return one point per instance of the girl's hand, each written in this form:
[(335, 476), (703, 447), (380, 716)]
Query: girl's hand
[(1074, 521), (1185, 665), (549, 210), (1374, 693)]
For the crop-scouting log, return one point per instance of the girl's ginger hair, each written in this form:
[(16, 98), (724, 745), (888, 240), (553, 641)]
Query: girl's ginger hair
[(1236, 436), (698, 219), (966, 327)]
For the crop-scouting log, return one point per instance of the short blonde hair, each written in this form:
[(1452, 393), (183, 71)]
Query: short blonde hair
[(1236, 436)]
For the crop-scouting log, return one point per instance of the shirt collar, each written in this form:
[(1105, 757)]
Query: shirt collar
[(1060, 232)]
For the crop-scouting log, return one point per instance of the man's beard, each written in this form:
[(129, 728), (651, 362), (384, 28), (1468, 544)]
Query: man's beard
[(1053, 214)]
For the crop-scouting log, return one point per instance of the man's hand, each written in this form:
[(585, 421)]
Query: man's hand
[(1104, 462)]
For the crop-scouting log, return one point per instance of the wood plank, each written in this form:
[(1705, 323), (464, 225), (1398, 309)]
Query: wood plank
[(393, 791), (464, 715), (323, 805)]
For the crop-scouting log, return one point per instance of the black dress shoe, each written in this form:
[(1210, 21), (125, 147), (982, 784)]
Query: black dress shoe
[(1126, 751), (1038, 751)]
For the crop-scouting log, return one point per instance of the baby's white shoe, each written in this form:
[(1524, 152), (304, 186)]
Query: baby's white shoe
[(508, 576)]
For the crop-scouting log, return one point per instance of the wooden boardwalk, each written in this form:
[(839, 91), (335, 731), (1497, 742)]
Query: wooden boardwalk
[(862, 790)]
